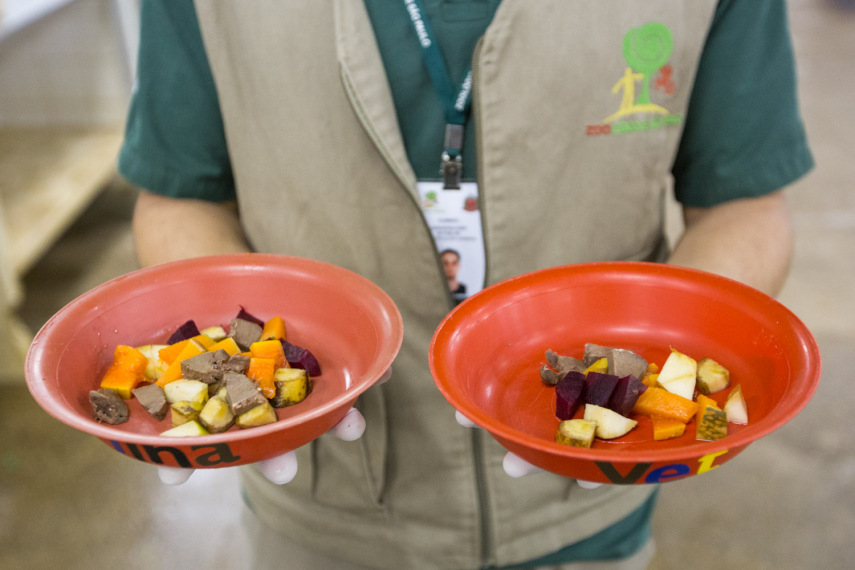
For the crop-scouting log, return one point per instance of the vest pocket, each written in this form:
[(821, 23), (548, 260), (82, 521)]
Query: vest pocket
[(351, 475)]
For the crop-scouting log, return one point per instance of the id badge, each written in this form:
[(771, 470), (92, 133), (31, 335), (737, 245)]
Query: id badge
[(454, 218)]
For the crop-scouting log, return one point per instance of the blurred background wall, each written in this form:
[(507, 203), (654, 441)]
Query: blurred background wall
[(66, 70)]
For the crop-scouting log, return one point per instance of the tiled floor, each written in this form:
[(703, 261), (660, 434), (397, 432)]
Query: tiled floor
[(788, 502)]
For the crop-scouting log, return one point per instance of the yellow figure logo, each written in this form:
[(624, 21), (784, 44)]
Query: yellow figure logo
[(646, 50)]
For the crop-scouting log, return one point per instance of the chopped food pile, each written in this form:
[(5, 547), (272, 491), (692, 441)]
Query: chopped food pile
[(209, 380), (602, 394)]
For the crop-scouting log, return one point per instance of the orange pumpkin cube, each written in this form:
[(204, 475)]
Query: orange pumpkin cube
[(169, 353), (271, 349), (126, 371), (666, 428), (262, 371), (660, 402), (274, 328), (191, 348), (228, 344)]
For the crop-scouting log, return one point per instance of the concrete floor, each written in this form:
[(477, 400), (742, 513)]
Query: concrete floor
[(788, 502)]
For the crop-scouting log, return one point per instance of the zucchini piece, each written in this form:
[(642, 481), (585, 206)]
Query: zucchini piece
[(217, 416), (712, 377), (260, 415), (184, 430), (186, 391), (292, 385), (183, 412), (576, 432)]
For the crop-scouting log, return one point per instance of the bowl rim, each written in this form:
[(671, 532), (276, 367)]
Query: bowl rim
[(55, 405), (795, 398)]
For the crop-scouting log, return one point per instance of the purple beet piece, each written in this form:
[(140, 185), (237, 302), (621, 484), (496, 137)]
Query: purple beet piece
[(599, 388), (626, 393), (299, 357), (185, 331), (569, 395)]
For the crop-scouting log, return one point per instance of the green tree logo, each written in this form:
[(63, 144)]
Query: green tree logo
[(646, 49)]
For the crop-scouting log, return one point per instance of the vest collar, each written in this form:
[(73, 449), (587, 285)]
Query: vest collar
[(367, 88)]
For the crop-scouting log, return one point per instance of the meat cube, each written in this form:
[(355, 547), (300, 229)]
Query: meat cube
[(153, 399), (200, 367), (242, 393), (236, 363), (206, 367), (244, 332), (623, 362), (564, 364), (594, 352), (226, 363), (108, 406)]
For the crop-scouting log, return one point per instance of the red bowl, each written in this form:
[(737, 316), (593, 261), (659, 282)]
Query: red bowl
[(351, 326), (486, 354)]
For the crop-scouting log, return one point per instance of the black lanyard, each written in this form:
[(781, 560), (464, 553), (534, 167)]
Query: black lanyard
[(456, 101)]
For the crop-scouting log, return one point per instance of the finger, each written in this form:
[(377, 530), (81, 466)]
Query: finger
[(588, 484), (173, 475), (516, 466), (351, 427), (463, 420), (385, 377), (280, 469)]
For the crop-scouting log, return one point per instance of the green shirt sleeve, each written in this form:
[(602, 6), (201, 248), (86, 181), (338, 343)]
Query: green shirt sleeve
[(174, 139), (743, 134)]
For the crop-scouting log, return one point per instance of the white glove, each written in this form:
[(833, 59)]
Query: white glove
[(283, 468), (514, 465)]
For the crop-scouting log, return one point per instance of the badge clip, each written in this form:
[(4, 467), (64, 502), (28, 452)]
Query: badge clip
[(451, 171), (452, 167)]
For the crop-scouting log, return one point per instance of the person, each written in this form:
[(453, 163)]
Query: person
[(450, 259), (307, 128)]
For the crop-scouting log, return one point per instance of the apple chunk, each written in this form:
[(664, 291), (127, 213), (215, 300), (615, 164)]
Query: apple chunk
[(610, 424), (735, 406), (679, 374)]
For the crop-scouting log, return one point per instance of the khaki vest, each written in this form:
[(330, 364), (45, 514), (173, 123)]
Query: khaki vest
[(322, 172)]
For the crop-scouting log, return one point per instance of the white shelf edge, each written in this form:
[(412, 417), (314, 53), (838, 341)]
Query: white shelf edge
[(31, 12)]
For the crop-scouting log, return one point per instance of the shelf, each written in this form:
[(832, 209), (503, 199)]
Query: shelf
[(47, 177), (18, 14)]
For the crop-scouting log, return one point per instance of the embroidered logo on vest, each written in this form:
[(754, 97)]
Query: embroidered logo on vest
[(646, 50)]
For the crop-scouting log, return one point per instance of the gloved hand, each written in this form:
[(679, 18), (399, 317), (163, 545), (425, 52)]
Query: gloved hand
[(283, 468), (514, 465)]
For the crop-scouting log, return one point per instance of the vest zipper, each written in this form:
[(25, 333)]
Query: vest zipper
[(477, 437), (486, 546), (479, 169), (402, 178)]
